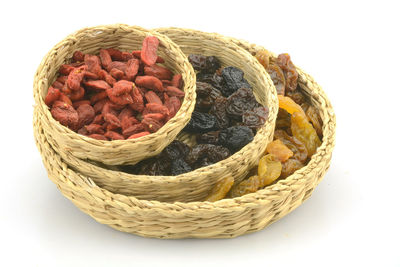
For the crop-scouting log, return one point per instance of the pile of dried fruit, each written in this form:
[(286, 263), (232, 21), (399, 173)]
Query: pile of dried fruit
[(297, 133), (225, 119), (116, 95)]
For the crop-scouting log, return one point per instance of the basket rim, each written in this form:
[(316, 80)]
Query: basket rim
[(259, 197), (190, 89)]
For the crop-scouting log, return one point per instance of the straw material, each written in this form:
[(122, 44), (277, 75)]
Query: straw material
[(222, 219), (194, 185), (125, 38)]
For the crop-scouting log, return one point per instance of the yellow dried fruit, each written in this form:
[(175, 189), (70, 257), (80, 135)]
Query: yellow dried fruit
[(250, 185), (279, 150), (269, 170), (305, 132), (220, 189)]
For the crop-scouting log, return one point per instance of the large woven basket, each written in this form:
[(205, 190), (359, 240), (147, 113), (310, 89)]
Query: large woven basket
[(125, 38), (222, 219), (195, 185)]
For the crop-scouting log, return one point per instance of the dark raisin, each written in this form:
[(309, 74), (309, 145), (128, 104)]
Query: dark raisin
[(219, 111), (255, 118), (241, 101), (205, 96), (204, 64), (213, 154), (236, 137), (155, 166), (179, 166), (175, 150), (234, 80), (201, 123), (208, 138)]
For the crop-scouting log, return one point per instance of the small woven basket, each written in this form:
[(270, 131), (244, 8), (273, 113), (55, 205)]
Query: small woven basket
[(222, 219), (194, 185), (125, 38)]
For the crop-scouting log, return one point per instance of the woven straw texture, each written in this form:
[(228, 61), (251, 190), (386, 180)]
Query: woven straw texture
[(222, 219), (195, 185), (125, 38)]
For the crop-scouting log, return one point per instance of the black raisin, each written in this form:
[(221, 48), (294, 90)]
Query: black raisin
[(208, 138), (201, 123), (179, 166), (219, 111), (241, 101), (212, 153), (236, 137), (255, 118), (234, 80), (175, 150), (204, 64)]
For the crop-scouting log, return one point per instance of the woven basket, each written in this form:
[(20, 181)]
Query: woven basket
[(195, 185), (222, 219), (125, 38)]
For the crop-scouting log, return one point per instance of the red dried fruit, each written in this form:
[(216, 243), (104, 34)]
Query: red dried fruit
[(108, 108), (91, 75), (98, 137), (65, 99), (134, 136), (104, 75), (113, 135), (97, 97), (155, 108), (83, 131), (122, 87), (94, 129), (177, 80), (160, 60), (75, 78), (137, 99), (127, 122), (105, 58), (152, 97), (62, 79), (98, 119), (93, 63), (155, 116), (65, 69), (77, 95), (136, 128), (173, 104), (77, 104), (112, 119), (97, 84), (132, 68), (152, 125), (98, 107), (166, 83), (149, 50), (78, 56), (125, 112), (116, 73), (158, 72), (57, 85), (119, 99), (115, 54), (117, 65), (51, 96), (137, 53), (65, 114), (174, 91), (126, 56), (86, 115), (149, 82)]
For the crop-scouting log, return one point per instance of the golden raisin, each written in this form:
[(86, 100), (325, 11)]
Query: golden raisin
[(304, 131), (220, 189), (279, 150), (269, 170)]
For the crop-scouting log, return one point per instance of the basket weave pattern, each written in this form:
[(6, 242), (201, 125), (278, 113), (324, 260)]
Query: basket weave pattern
[(125, 38), (222, 219), (195, 185)]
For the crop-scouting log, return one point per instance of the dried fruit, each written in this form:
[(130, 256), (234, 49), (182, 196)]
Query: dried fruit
[(113, 135), (98, 85), (269, 170), (176, 149), (290, 166), (174, 91), (263, 56), (86, 115), (152, 97), (315, 119), (208, 138), (240, 102), (149, 50), (219, 111), (201, 123), (75, 77), (289, 105), (235, 137), (132, 68), (151, 125), (211, 153), (305, 132), (179, 166), (279, 150), (149, 82), (51, 96), (134, 136), (158, 72), (93, 63), (289, 70), (277, 77), (65, 114), (105, 58), (255, 118), (234, 80), (220, 190), (205, 64), (247, 186)]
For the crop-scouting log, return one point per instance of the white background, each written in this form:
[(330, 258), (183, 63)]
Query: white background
[(352, 219)]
